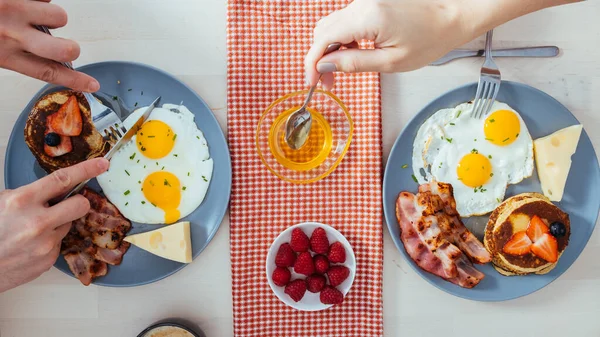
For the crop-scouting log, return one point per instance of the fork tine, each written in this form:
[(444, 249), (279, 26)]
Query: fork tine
[(477, 99), (487, 100), (481, 102)]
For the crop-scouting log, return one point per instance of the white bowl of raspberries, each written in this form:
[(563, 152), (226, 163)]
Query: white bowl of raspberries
[(311, 266)]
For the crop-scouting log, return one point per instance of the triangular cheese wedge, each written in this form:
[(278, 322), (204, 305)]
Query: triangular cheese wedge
[(553, 159), (170, 242)]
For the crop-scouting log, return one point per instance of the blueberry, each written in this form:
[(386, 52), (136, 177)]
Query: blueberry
[(52, 139), (558, 229)]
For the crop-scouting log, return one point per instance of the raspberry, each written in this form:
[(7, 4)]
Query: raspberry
[(321, 264), (281, 276), (285, 256), (299, 241), (319, 242), (337, 275), (330, 295), (315, 283), (296, 289), (337, 253), (304, 264)]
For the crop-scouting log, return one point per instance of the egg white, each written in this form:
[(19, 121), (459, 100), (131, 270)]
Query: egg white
[(189, 161), (439, 146)]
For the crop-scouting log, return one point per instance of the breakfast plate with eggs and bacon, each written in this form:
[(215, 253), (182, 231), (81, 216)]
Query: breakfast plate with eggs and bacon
[(493, 208), (166, 191)]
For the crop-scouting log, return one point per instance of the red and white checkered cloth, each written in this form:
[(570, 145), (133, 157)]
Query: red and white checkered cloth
[(266, 42)]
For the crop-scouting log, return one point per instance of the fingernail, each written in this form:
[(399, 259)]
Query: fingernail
[(103, 164), (326, 67), (93, 86)]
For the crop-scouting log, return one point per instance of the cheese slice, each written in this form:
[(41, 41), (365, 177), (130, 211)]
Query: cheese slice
[(553, 159), (170, 242)]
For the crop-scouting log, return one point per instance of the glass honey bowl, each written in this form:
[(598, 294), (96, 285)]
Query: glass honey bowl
[(326, 146)]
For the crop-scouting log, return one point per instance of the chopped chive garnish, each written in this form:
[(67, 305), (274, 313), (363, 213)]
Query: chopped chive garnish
[(115, 98), (489, 139), (198, 137), (188, 174), (490, 156), (505, 140), (144, 166), (139, 181), (143, 149), (151, 183), (127, 203), (474, 151), (498, 200), (492, 120), (414, 178), (175, 154), (136, 103), (491, 174), (151, 136), (183, 188), (204, 178), (404, 166), (153, 204), (167, 183), (459, 112), (449, 140), (452, 124), (126, 192), (156, 163), (132, 156), (142, 93), (143, 202), (162, 168), (517, 136), (138, 161), (129, 89), (174, 136), (475, 139), (127, 173)]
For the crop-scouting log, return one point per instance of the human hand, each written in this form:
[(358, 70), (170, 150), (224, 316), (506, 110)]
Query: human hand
[(28, 51), (408, 34), (31, 231)]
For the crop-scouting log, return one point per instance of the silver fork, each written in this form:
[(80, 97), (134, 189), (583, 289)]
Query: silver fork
[(106, 121), (489, 82)]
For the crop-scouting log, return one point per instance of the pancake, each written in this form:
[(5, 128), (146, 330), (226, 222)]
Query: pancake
[(512, 216), (87, 145)]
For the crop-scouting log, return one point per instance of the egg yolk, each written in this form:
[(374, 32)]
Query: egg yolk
[(502, 127), (155, 139), (163, 190), (474, 170)]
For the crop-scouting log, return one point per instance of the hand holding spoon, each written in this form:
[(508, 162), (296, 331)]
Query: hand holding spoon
[(298, 124)]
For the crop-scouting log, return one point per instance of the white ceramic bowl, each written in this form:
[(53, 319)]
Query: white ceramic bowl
[(310, 301)]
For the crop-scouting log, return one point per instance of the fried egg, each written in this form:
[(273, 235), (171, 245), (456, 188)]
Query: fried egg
[(479, 157), (162, 174)]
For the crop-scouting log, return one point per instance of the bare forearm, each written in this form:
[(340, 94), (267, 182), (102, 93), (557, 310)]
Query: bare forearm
[(479, 16)]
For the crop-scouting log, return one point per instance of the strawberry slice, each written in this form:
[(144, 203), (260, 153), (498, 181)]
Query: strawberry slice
[(67, 120), (537, 227), (546, 248), (65, 146), (519, 244)]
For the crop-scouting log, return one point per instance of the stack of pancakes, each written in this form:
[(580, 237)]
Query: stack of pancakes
[(513, 216), (89, 144)]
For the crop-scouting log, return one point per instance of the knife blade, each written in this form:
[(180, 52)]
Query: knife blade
[(126, 137), (543, 51)]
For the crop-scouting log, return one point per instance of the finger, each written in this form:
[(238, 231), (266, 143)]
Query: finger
[(50, 47), (46, 14), (359, 60), (62, 231), (327, 81), (68, 210), (51, 72), (62, 181)]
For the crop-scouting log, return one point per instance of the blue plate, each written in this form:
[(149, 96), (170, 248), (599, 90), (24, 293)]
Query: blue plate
[(146, 83), (543, 115)]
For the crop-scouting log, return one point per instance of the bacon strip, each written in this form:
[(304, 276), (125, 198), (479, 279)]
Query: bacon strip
[(96, 239), (435, 237)]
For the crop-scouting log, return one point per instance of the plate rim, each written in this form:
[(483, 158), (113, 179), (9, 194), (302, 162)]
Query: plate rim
[(400, 246), (221, 214)]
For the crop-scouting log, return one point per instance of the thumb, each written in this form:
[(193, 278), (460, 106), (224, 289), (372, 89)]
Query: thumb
[(356, 60)]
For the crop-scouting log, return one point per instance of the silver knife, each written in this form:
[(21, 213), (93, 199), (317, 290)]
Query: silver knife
[(126, 137), (545, 51)]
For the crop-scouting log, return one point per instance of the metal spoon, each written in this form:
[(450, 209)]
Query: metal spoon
[(298, 124)]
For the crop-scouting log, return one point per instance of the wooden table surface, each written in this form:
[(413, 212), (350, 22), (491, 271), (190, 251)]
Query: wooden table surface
[(187, 39)]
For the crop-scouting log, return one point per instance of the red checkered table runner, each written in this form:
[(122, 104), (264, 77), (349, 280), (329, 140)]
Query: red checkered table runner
[(266, 42)]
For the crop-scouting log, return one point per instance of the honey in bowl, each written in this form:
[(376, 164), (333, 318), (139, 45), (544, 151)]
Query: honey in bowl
[(312, 154)]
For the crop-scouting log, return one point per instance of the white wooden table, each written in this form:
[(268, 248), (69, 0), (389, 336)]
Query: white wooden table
[(187, 39)]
